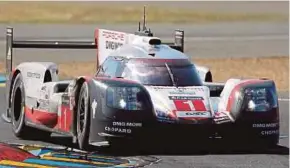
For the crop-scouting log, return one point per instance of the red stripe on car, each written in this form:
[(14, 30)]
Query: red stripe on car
[(41, 117)]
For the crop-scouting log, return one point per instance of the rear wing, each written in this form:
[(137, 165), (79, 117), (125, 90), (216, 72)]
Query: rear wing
[(11, 43)]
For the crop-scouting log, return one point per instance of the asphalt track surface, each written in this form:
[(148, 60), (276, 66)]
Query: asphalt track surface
[(236, 39), (210, 40)]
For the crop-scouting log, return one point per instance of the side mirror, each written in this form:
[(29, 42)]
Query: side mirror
[(204, 73)]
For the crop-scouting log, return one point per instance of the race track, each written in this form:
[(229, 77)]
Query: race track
[(218, 40), (204, 41), (209, 40)]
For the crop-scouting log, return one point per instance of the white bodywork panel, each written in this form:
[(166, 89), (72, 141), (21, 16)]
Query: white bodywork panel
[(33, 75), (182, 101), (109, 41), (47, 97), (39, 95)]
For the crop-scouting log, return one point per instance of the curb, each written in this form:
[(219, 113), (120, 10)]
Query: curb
[(2, 80)]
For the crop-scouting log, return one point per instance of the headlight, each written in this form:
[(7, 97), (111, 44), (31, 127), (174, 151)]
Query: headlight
[(259, 99), (127, 98)]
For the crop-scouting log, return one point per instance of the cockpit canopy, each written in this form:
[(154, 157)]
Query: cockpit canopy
[(152, 71), (162, 72)]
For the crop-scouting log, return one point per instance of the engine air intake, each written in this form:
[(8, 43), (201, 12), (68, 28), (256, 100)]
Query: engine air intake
[(154, 41)]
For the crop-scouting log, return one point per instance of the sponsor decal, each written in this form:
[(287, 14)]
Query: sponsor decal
[(189, 105), (33, 75), (113, 45), (20, 155), (94, 108), (113, 35), (165, 120), (270, 132), (181, 91), (265, 125), (127, 124), (185, 98), (185, 114), (118, 130), (221, 120)]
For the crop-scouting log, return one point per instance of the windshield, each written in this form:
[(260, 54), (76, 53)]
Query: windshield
[(159, 75)]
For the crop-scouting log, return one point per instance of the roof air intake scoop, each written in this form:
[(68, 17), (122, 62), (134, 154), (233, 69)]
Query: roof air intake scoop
[(154, 41)]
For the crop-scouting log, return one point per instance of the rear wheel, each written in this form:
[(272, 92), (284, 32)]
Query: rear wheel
[(83, 117), (20, 129)]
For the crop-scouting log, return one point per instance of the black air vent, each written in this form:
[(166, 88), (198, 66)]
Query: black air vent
[(154, 41)]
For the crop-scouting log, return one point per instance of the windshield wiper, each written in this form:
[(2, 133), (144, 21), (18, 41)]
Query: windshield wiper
[(171, 75)]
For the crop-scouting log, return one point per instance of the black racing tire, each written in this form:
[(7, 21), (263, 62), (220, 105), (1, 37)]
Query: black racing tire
[(20, 129), (83, 117)]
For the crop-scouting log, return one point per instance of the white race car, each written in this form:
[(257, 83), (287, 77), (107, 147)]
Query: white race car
[(143, 88)]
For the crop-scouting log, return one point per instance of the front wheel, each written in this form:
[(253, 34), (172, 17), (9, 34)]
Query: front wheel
[(19, 128), (83, 117)]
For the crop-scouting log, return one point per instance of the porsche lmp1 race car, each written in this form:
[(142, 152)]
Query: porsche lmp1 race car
[(143, 89)]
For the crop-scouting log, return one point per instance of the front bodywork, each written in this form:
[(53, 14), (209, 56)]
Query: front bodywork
[(184, 112)]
